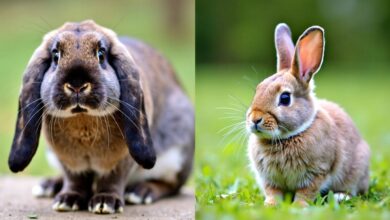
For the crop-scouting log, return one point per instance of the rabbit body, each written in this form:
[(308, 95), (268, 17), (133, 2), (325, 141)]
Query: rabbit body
[(114, 115), (298, 143), (331, 147)]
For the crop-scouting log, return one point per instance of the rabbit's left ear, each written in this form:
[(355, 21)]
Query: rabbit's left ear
[(284, 46), (132, 107), (309, 53), (28, 124)]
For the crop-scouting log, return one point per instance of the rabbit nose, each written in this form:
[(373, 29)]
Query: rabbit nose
[(84, 88), (257, 123)]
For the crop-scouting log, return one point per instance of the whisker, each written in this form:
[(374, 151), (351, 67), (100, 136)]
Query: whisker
[(29, 104), (96, 133), (226, 108), (238, 101), (127, 104), (230, 126), (36, 112), (46, 22), (125, 116), (108, 131), (120, 130)]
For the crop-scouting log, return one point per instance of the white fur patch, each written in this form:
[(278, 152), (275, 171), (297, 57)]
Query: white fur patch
[(339, 197), (67, 113), (304, 126), (148, 200), (133, 198), (75, 207), (40, 192), (61, 207), (53, 159), (167, 166)]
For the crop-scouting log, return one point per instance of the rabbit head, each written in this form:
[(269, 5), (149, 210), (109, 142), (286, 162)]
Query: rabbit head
[(81, 68), (284, 104)]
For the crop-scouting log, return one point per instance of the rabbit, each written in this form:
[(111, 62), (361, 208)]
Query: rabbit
[(114, 115), (297, 143)]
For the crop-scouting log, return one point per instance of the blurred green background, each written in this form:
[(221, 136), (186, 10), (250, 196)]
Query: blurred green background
[(167, 25), (235, 51)]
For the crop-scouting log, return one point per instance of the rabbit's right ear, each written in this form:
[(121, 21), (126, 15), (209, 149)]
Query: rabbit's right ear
[(309, 53), (284, 46), (132, 106), (30, 110)]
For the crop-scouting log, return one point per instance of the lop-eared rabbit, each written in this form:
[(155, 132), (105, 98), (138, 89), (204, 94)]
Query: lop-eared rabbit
[(300, 144), (114, 115)]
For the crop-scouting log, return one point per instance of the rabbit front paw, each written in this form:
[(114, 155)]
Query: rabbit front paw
[(105, 203), (69, 201)]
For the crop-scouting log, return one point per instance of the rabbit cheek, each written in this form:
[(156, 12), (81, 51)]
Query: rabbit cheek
[(263, 124), (88, 100)]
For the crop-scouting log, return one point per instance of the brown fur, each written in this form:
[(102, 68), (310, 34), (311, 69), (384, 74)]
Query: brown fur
[(83, 141), (100, 154), (291, 152)]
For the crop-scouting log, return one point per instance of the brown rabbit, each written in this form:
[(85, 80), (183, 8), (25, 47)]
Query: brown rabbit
[(114, 116), (298, 143)]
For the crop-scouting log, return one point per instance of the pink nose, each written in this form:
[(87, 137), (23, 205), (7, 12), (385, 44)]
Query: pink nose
[(257, 121), (77, 89)]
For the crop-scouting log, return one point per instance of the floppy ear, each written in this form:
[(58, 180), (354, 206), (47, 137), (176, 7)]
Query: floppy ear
[(309, 54), (284, 46), (28, 124), (132, 106)]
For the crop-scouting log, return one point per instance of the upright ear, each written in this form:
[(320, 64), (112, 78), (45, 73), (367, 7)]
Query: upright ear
[(309, 54), (284, 46), (132, 106), (28, 124)]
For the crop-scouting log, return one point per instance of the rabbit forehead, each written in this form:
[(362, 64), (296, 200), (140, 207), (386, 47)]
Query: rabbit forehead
[(82, 36), (77, 40), (272, 86), (83, 26), (84, 45)]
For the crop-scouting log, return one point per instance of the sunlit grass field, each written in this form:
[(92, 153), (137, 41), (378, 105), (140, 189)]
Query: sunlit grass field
[(23, 25), (225, 187)]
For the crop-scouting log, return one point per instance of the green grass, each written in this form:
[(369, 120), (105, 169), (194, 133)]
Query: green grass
[(23, 25), (225, 187)]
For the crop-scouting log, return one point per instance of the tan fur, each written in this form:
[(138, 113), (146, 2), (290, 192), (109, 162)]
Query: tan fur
[(107, 138), (110, 108), (86, 143), (328, 154)]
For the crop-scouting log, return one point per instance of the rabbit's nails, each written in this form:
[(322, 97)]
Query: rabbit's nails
[(340, 197), (270, 202), (105, 203), (68, 202), (146, 192), (301, 203), (47, 188), (139, 194)]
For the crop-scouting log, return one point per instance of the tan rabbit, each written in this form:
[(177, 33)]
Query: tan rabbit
[(300, 144), (116, 120)]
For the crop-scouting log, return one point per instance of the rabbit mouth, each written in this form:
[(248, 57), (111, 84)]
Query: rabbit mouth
[(78, 109), (262, 132), (265, 133)]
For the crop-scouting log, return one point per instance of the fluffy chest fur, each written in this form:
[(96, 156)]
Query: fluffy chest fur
[(86, 143), (288, 165)]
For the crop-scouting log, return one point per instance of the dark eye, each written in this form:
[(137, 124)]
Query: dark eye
[(101, 55), (285, 99), (55, 54)]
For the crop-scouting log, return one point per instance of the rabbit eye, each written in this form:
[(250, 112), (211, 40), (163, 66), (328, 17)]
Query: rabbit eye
[(101, 55), (285, 99), (55, 56)]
